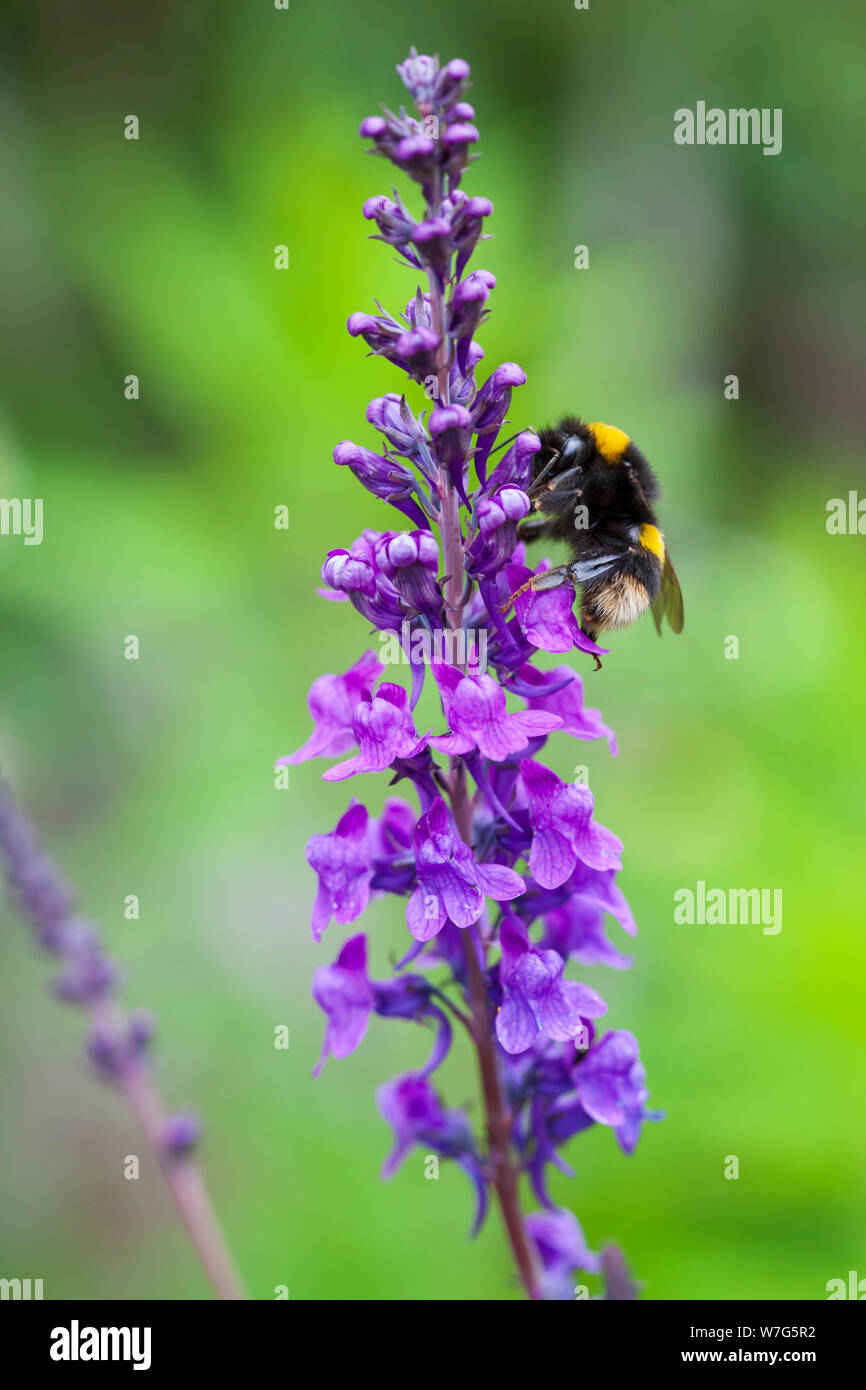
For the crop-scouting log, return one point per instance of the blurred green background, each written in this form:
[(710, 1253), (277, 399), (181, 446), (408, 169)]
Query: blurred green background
[(155, 777)]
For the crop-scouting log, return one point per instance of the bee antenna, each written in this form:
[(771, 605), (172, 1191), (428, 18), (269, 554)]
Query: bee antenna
[(544, 472)]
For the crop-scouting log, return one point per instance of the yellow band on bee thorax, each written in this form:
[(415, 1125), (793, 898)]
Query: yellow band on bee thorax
[(652, 539), (610, 442)]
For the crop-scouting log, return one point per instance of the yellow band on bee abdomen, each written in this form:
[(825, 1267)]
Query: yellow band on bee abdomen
[(652, 539), (610, 442)]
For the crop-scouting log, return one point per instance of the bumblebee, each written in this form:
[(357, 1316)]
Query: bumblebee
[(593, 489)]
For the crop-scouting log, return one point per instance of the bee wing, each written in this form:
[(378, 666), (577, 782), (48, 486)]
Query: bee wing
[(668, 602)]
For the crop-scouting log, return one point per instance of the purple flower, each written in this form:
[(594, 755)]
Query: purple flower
[(36, 890), (331, 702), (417, 352), (461, 380), (342, 863), (379, 332), (451, 885), (418, 74), (450, 82), (490, 408), (385, 478), (535, 997), (562, 1247), (467, 221), (567, 701), (355, 573), (88, 975), (515, 467), (449, 426), (563, 830), (344, 992), (394, 223), (618, 1283), (497, 519), (391, 842), (181, 1133), (116, 1047), (410, 559), (412, 1108), (546, 616), (611, 1087), (382, 725), (456, 139), (576, 925), (391, 416), (475, 709), (466, 308), (348, 997), (432, 241)]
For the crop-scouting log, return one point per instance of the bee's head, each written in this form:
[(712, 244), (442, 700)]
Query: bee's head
[(574, 452)]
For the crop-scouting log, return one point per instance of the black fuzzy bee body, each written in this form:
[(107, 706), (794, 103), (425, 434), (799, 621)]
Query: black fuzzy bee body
[(593, 489)]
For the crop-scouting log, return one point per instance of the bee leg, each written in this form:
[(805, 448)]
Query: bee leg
[(549, 579), (571, 475), (533, 528), (590, 630), (595, 658)]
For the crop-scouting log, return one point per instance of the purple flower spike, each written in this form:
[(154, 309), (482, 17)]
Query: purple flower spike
[(342, 864), (451, 886), (475, 709), (535, 997), (563, 829), (331, 702), (481, 806), (345, 994), (384, 730)]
